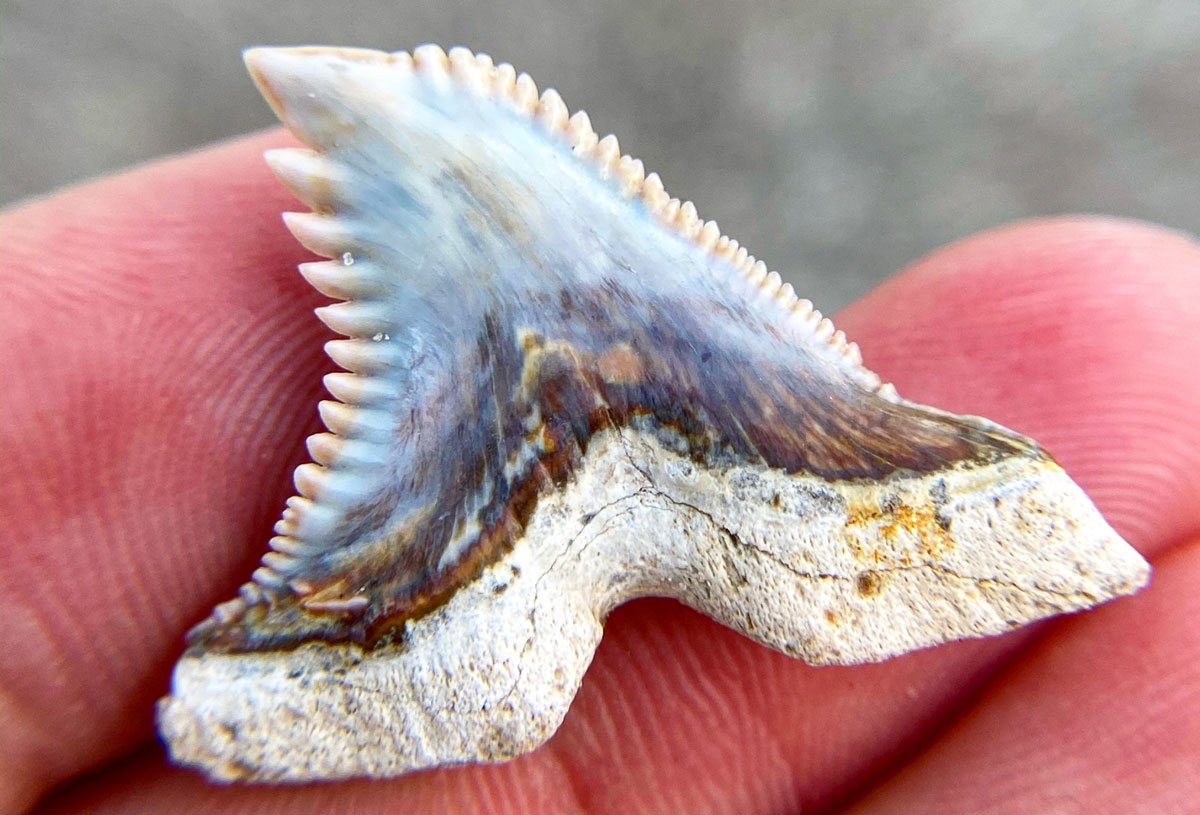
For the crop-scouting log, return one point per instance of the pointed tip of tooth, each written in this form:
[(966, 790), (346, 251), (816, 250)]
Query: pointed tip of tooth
[(504, 80), (630, 173), (710, 233), (355, 389), (324, 449), (607, 153), (288, 160), (279, 562), (824, 329), (344, 387), (430, 58), (290, 545), (320, 234), (265, 64), (310, 176), (261, 60), (654, 194), (273, 68), (670, 210), (460, 56), (229, 611), (582, 137), (853, 353), (331, 278), (470, 71), (688, 220), (253, 56), (356, 318), (267, 578), (552, 111), (525, 94), (336, 416), (251, 593), (364, 356)]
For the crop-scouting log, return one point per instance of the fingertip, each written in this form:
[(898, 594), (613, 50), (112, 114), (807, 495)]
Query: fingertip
[(155, 317)]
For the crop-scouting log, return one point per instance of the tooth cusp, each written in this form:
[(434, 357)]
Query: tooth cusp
[(290, 546), (687, 220), (280, 563), (467, 70), (525, 94), (486, 67), (364, 356), (268, 578), (824, 329), (710, 233), (340, 280), (580, 135), (630, 175), (227, 612), (853, 353), (552, 112), (356, 318), (430, 59), (504, 80), (252, 593), (316, 180), (360, 390), (331, 450), (670, 211), (329, 486), (310, 480), (608, 151), (324, 449), (654, 194), (323, 235), (313, 525), (354, 422)]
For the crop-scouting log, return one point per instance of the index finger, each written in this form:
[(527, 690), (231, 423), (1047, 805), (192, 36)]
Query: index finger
[(164, 313), (677, 714), (169, 367)]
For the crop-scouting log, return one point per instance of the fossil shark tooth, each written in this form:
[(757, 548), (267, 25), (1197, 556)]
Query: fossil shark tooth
[(566, 390)]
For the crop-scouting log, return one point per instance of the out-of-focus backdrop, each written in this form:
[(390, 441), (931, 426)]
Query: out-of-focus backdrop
[(838, 139)]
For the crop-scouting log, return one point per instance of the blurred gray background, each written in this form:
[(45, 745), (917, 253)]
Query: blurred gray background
[(838, 139)]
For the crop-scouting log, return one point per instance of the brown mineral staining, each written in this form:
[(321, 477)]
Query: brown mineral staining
[(905, 533), (869, 584), (923, 524), (620, 365)]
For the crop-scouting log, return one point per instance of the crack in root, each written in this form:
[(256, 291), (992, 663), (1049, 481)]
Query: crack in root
[(650, 488), (737, 540)]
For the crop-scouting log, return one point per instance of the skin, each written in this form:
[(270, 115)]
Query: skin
[(162, 370)]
